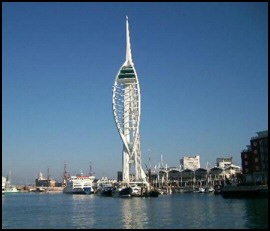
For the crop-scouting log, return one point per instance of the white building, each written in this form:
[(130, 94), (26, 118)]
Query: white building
[(192, 163), (224, 162)]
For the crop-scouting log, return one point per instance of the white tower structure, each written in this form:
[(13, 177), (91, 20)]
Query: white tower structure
[(127, 111)]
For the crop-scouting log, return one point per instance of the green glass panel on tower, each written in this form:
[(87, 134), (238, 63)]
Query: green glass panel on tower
[(126, 72)]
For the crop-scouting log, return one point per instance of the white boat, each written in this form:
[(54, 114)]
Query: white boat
[(210, 189), (139, 189), (199, 190), (136, 190), (3, 184), (79, 184), (7, 187), (11, 189)]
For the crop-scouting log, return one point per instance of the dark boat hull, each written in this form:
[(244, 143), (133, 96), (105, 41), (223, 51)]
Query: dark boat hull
[(84, 191), (107, 192), (245, 192), (125, 192), (153, 193)]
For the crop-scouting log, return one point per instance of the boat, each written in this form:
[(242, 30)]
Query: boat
[(209, 189), (79, 184), (217, 189), (7, 187), (244, 191), (150, 190), (123, 191), (153, 193), (3, 184), (40, 189), (105, 189), (11, 189), (199, 190), (139, 189)]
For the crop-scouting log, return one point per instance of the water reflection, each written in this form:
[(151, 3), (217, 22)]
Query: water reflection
[(83, 210), (176, 211), (134, 213), (256, 213)]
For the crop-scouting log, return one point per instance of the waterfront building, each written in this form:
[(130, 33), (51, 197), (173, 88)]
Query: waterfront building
[(44, 182), (119, 176), (126, 105), (189, 174), (190, 162), (224, 162), (229, 170), (105, 181), (255, 159)]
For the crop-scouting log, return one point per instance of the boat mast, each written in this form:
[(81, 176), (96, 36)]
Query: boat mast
[(48, 176), (65, 175), (90, 169)]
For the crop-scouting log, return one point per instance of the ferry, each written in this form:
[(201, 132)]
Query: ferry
[(79, 184)]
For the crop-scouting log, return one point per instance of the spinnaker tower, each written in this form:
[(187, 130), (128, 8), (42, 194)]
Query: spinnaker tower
[(127, 111)]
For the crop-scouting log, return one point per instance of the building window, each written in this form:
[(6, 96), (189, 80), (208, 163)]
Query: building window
[(256, 159), (245, 155), (255, 144), (246, 163), (246, 170), (255, 152), (257, 168)]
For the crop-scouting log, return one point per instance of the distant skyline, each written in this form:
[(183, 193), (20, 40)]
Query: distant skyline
[(202, 68)]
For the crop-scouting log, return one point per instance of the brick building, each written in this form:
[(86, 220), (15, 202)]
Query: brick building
[(255, 159)]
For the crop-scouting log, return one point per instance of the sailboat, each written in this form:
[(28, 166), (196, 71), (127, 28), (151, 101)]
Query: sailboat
[(209, 187)]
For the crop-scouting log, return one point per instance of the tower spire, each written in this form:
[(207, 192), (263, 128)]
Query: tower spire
[(128, 48)]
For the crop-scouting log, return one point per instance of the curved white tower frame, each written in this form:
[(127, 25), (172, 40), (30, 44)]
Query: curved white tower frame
[(127, 111)]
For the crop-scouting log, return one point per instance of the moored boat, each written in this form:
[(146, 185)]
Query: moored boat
[(105, 190), (3, 184), (11, 189), (199, 190), (153, 193), (244, 191), (79, 184), (209, 189), (124, 191), (217, 189), (7, 187)]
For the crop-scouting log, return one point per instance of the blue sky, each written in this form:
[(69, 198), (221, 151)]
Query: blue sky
[(202, 67)]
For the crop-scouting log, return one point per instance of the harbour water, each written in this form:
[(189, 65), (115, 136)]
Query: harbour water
[(175, 211)]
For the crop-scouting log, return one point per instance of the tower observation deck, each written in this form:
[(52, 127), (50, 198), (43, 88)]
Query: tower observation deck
[(126, 105)]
